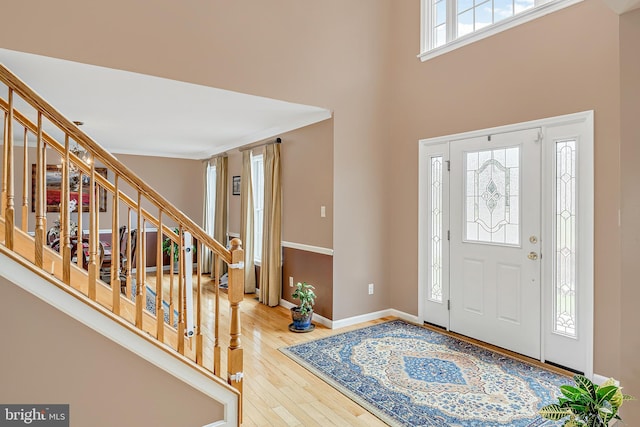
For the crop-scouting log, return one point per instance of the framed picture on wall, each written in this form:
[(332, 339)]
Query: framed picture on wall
[(235, 185), (53, 179)]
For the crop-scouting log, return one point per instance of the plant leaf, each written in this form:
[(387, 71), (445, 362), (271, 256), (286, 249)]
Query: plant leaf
[(606, 393), (585, 384), (554, 412), (571, 392)]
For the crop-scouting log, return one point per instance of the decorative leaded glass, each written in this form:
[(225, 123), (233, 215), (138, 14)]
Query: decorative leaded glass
[(492, 211), (435, 288), (565, 231)]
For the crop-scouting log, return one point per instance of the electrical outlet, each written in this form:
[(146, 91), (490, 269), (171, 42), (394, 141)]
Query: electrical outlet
[(323, 211), (370, 288), (291, 281)]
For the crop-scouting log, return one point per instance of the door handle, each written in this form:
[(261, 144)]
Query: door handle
[(532, 256)]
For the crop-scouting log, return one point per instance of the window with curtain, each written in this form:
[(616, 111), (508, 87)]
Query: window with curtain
[(257, 180)]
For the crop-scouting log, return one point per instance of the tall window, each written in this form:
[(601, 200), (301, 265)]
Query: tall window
[(211, 200), (447, 22), (257, 178)]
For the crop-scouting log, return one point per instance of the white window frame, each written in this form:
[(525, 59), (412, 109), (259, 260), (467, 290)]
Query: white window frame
[(454, 42), (257, 184), (211, 199)]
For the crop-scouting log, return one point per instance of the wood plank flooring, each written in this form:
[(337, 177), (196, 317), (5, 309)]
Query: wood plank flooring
[(278, 391)]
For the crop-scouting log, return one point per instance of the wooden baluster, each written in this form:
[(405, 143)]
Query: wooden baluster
[(159, 297), (5, 158), (64, 216), (139, 266), (25, 180), (94, 237), (9, 196), (115, 248), (181, 294), (40, 231), (236, 294), (127, 282), (143, 255), (80, 233), (172, 308), (216, 325), (199, 341)]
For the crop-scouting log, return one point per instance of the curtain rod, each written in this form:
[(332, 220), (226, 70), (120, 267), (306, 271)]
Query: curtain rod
[(277, 141)]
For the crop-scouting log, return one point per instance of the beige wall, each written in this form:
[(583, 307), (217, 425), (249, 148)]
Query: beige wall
[(306, 156), (551, 66), (180, 181), (50, 367), (331, 54), (630, 175)]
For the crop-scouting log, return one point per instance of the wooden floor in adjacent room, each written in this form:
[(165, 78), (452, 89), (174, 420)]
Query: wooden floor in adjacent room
[(278, 391)]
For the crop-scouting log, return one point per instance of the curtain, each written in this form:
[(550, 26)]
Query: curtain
[(221, 210), (215, 209), (209, 213), (246, 223), (271, 266)]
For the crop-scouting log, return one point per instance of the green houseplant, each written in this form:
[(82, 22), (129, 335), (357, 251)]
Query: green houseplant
[(302, 313), (167, 243), (587, 404)]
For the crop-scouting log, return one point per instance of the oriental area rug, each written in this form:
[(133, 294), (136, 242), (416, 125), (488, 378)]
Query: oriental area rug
[(408, 375)]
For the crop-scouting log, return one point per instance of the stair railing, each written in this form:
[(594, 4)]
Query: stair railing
[(87, 182)]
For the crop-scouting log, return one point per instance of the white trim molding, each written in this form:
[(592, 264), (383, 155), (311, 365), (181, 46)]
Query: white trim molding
[(299, 246), (350, 321)]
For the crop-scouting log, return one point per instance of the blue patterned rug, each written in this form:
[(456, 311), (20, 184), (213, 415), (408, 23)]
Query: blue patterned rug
[(151, 304), (408, 375)]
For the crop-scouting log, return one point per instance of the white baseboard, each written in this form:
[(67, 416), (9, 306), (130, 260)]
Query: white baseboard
[(374, 316), (350, 321)]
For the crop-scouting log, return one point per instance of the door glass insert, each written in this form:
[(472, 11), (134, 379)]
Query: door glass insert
[(565, 232), (435, 285), (492, 184)]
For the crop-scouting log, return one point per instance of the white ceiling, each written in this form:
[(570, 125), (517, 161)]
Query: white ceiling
[(132, 113)]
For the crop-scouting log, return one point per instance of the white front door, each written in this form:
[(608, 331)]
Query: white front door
[(495, 227)]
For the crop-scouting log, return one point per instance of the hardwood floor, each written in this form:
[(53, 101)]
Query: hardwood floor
[(278, 391)]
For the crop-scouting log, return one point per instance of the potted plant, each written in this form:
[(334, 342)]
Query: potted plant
[(302, 313), (167, 244), (587, 404)]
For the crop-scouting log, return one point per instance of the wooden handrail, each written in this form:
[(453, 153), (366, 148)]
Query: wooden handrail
[(108, 159), (69, 242)]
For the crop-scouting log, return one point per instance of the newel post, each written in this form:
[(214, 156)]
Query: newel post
[(236, 294)]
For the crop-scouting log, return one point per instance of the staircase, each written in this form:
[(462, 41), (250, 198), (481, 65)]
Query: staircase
[(78, 262)]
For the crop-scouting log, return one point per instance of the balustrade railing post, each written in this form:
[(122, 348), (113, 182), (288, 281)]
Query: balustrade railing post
[(94, 238), (39, 198), (235, 362), (25, 176), (115, 248), (159, 276), (9, 196), (65, 229)]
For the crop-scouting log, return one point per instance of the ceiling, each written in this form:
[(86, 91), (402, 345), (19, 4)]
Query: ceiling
[(132, 113)]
